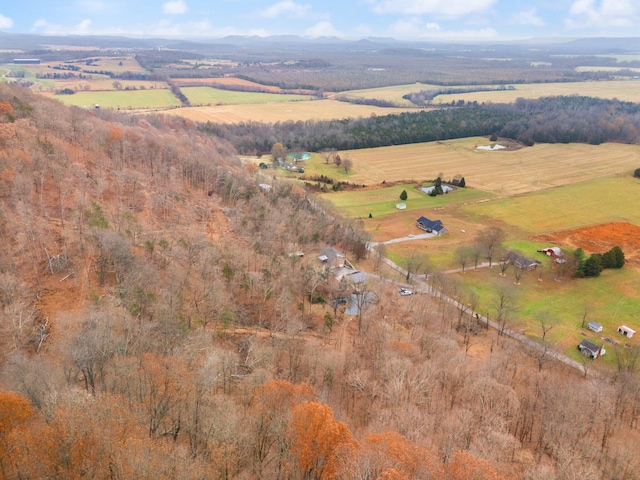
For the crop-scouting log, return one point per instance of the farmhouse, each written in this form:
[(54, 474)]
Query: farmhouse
[(590, 349), (626, 331), (520, 261), (595, 327), (432, 226)]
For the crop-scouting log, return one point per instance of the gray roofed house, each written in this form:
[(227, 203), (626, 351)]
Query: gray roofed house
[(521, 261), (590, 349), (594, 326)]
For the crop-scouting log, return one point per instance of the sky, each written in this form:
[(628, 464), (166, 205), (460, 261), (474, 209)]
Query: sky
[(430, 20)]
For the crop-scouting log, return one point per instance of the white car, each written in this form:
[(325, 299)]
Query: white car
[(404, 292)]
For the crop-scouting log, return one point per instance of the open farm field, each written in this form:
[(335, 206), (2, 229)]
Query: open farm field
[(281, 112), (620, 89), (596, 201), (613, 299), (503, 172), (216, 96), (228, 81), (389, 94), (161, 98), (102, 83), (116, 65), (626, 90), (600, 238), (382, 201)]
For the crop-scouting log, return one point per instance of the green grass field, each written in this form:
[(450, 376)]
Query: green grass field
[(382, 201), (587, 203), (613, 299), (216, 96), (122, 99)]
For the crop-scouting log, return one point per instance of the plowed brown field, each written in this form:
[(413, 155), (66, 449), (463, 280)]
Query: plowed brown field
[(600, 238)]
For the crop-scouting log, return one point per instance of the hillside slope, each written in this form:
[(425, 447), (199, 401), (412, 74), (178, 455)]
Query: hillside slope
[(154, 325)]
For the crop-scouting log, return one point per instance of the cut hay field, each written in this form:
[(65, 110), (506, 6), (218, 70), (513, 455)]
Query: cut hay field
[(216, 96), (586, 203), (502, 172), (280, 112), (122, 99), (389, 94), (626, 90), (228, 81), (382, 201), (621, 89)]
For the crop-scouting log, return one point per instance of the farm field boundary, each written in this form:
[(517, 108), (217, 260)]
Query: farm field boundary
[(504, 172)]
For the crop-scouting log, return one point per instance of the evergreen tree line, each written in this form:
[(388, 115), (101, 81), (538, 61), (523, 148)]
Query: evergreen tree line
[(564, 119)]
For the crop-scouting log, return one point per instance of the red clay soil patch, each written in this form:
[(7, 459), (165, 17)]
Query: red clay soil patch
[(600, 238)]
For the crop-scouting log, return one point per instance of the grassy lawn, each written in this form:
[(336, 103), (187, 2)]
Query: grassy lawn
[(613, 299), (587, 203), (122, 99), (382, 201), (216, 96)]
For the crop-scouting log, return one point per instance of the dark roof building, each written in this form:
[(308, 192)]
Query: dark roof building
[(590, 349), (430, 226)]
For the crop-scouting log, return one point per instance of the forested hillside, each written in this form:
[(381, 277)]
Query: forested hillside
[(155, 325)]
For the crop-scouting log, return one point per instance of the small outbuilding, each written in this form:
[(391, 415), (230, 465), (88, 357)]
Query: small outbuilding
[(594, 326), (626, 331), (590, 349)]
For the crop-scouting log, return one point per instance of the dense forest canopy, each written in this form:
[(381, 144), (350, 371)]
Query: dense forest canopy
[(563, 119), (155, 325)]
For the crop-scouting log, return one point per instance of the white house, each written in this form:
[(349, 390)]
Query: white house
[(594, 326)]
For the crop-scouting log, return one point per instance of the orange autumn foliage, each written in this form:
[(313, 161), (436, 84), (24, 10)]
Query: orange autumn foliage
[(5, 107), (398, 457), (464, 466), (316, 440)]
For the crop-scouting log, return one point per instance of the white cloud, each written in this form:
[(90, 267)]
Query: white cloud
[(285, 7), (528, 17), (414, 28), (442, 8), (322, 29), (5, 22), (174, 7), (603, 13), (82, 28)]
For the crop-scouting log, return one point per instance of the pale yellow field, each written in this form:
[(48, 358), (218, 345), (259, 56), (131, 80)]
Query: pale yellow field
[(280, 112), (390, 94), (501, 172), (628, 90)]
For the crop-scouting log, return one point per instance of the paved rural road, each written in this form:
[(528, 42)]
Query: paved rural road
[(423, 287)]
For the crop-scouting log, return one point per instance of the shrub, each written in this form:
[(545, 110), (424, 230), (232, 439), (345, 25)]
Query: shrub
[(636, 173), (403, 195)]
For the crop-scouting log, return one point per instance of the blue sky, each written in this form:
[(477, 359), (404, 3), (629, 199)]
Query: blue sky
[(403, 19)]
